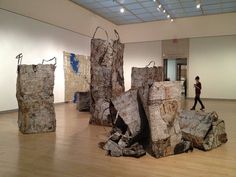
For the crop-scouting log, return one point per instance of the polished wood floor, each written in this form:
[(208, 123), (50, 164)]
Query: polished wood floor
[(73, 151)]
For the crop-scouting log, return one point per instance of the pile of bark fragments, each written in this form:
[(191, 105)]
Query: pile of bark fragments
[(149, 119)]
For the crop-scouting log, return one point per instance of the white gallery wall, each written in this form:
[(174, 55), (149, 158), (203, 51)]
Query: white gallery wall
[(36, 41), (199, 26), (214, 60), (63, 13), (139, 55)]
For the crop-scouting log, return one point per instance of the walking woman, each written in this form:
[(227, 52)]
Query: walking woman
[(198, 87)]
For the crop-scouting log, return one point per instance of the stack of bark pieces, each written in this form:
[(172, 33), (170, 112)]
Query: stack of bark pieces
[(150, 119), (130, 133), (147, 117), (205, 130)]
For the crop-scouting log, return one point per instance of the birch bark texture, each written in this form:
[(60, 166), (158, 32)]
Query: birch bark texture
[(164, 104), (35, 98), (141, 77), (205, 130), (107, 78)]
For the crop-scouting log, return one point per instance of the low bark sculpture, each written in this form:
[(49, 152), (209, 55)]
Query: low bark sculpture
[(205, 130), (147, 117), (150, 119), (163, 107), (107, 78), (83, 101), (35, 98), (145, 76)]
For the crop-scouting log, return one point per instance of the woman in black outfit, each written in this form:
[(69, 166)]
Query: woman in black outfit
[(198, 87)]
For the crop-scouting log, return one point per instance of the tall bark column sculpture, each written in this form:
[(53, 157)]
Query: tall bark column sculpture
[(107, 79), (35, 97)]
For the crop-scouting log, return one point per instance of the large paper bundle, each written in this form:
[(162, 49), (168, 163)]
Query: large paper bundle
[(163, 108), (107, 78), (145, 76), (35, 98), (205, 130)]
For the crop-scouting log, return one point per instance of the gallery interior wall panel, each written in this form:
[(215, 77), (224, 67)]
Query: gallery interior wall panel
[(63, 13), (37, 41), (214, 60), (201, 26), (175, 48), (76, 79)]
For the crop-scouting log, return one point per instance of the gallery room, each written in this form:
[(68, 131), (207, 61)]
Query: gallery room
[(117, 88)]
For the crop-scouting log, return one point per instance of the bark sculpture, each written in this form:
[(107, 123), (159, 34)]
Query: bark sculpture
[(145, 76), (107, 78), (205, 130), (35, 98), (163, 107)]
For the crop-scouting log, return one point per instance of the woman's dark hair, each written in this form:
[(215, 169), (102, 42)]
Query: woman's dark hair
[(197, 78)]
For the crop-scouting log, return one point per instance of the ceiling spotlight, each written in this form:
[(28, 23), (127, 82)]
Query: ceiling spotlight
[(122, 10), (164, 11), (168, 16), (172, 20), (198, 6), (154, 0), (159, 6)]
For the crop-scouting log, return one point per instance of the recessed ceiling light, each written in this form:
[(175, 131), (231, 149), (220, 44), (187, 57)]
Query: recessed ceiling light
[(159, 6), (154, 0), (198, 6), (122, 10), (164, 11), (168, 16)]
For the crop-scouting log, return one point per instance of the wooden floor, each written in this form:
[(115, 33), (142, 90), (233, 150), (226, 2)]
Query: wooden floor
[(73, 152)]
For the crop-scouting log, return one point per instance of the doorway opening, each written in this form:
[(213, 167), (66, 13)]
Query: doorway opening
[(175, 69)]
